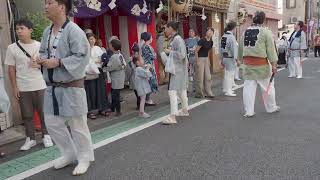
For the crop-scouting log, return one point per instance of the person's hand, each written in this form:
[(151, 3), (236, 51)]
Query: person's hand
[(50, 63), (167, 51), (34, 62), (16, 93), (148, 66)]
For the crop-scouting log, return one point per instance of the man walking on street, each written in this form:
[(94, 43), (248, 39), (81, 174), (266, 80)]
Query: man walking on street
[(297, 46), (178, 79), (64, 55), (229, 52), (27, 82), (258, 54)]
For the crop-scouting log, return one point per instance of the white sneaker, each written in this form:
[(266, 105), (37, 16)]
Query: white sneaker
[(170, 120), (230, 94), (276, 110), (28, 144), (144, 115), (183, 113), (81, 168), (299, 77), (249, 115), (291, 76), (47, 142)]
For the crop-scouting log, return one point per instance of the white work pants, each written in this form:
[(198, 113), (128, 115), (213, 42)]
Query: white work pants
[(249, 95), (78, 144), (237, 73), (295, 67), (173, 95), (228, 81)]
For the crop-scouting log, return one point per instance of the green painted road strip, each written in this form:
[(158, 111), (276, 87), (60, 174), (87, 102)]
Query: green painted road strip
[(100, 137)]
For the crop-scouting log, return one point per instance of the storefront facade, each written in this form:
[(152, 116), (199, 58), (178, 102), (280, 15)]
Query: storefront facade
[(127, 20), (215, 12), (269, 7)]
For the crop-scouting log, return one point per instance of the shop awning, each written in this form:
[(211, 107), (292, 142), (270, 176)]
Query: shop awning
[(94, 8), (222, 5)]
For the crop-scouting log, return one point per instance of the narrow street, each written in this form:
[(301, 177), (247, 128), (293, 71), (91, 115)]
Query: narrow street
[(216, 142)]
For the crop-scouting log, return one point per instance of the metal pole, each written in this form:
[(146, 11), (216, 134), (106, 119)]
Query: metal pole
[(309, 33), (318, 4)]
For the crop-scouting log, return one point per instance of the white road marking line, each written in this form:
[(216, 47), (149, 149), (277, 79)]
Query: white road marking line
[(49, 164), (139, 128)]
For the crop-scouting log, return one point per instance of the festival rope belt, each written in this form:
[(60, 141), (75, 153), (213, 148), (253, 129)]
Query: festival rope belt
[(255, 61)]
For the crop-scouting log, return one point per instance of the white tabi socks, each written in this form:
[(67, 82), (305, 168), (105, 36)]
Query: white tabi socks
[(81, 168)]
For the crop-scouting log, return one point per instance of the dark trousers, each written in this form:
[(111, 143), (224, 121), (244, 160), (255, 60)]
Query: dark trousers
[(97, 98), (30, 102), (316, 51), (138, 98), (115, 96)]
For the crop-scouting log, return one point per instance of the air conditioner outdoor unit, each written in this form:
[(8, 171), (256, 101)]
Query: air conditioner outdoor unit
[(294, 19)]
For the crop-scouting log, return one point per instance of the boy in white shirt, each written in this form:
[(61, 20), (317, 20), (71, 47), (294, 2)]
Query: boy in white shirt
[(27, 81)]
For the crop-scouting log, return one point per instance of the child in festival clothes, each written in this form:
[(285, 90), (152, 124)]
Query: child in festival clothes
[(116, 67), (131, 71), (142, 77)]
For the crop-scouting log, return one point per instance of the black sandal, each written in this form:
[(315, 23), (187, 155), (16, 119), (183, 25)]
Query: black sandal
[(105, 113)]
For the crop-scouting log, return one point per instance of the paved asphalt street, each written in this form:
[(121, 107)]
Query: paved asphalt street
[(217, 143)]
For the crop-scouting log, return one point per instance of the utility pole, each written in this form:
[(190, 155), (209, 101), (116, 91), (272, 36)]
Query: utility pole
[(318, 6), (308, 19)]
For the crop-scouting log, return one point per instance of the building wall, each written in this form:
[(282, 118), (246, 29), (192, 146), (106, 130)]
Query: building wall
[(298, 11), (272, 24), (315, 10), (233, 9), (268, 6)]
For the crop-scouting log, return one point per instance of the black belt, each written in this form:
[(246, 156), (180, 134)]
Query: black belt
[(77, 83)]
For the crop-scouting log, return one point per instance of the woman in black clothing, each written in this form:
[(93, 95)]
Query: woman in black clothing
[(283, 50)]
